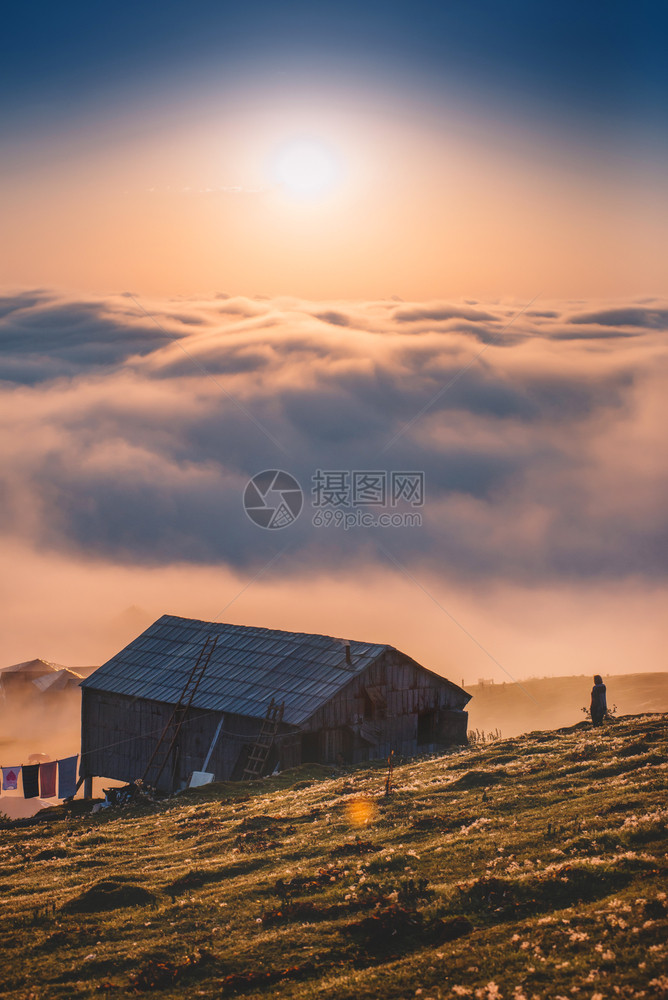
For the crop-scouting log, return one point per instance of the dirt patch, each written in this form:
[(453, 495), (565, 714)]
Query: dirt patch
[(51, 854), (506, 898), (480, 779), (156, 974), (437, 822), (261, 822), (357, 846), (255, 840), (442, 930), (303, 911), (389, 929), (195, 879), (110, 894), (315, 882), (236, 982), (633, 749)]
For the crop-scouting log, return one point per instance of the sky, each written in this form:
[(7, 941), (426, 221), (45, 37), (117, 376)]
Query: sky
[(384, 238)]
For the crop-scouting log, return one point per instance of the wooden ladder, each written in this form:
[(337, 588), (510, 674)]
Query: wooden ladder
[(264, 742), (181, 709)]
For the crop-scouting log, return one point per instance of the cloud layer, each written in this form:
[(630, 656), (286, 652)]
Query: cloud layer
[(132, 428)]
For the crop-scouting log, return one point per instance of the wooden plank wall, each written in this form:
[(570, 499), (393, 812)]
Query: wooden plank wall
[(119, 734), (399, 691), (375, 713)]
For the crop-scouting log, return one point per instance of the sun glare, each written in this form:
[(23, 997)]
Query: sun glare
[(306, 168)]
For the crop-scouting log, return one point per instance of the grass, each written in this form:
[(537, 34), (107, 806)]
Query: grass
[(531, 868)]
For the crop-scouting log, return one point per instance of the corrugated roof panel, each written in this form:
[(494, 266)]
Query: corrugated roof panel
[(248, 668)]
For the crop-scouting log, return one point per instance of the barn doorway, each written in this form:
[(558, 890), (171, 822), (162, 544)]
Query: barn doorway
[(310, 748), (426, 727)]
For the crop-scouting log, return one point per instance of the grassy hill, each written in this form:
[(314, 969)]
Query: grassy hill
[(549, 702), (531, 868)]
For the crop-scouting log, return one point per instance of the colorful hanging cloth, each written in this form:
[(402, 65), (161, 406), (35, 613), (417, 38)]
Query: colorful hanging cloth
[(30, 781), (47, 779), (67, 777), (10, 778)]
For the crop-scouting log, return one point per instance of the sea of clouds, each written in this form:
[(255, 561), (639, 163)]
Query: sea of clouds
[(131, 426)]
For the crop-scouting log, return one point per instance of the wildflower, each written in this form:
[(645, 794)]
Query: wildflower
[(493, 991)]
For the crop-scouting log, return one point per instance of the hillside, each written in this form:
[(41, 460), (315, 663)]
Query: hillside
[(532, 868), (549, 702)]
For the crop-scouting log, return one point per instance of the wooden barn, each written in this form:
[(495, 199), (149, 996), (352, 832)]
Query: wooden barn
[(236, 701)]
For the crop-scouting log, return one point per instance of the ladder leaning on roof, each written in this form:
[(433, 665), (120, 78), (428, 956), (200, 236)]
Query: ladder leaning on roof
[(177, 717), (264, 742)]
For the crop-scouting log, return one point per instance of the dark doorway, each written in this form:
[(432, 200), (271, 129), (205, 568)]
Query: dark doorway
[(426, 725), (310, 748)]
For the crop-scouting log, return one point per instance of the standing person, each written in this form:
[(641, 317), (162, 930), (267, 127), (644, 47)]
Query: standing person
[(599, 705)]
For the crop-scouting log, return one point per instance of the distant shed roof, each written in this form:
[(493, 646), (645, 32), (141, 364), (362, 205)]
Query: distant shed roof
[(249, 667), (33, 668)]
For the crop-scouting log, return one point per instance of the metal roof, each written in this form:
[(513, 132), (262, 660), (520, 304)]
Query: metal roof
[(249, 667)]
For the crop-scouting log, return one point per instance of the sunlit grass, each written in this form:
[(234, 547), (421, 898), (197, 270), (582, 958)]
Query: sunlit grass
[(533, 867)]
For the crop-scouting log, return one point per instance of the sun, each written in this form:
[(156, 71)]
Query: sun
[(306, 168)]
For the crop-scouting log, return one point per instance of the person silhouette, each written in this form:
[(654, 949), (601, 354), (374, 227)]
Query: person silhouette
[(599, 705)]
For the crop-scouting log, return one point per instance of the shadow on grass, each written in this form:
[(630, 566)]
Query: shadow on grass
[(506, 899), (198, 877)]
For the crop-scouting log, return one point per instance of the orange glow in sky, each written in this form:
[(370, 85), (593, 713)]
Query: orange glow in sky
[(338, 200)]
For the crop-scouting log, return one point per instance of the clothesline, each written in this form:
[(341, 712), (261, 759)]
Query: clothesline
[(39, 780)]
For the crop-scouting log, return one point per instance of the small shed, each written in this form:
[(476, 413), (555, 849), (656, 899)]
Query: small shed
[(23, 682), (340, 701)]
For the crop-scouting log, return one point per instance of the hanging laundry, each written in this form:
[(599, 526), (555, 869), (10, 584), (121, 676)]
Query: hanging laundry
[(47, 779), (67, 777), (30, 781), (10, 778)]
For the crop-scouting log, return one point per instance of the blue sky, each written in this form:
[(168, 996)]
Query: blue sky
[(595, 66)]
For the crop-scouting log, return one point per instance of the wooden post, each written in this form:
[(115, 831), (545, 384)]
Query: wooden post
[(88, 787)]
